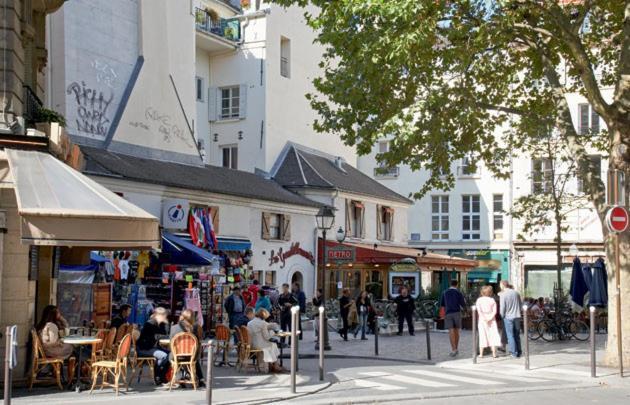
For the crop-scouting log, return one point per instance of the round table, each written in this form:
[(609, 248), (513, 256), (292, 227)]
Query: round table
[(81, 341), (283, 334)]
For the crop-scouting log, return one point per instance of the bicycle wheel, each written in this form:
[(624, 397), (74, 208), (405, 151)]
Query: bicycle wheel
[(548, 331), (579, 330), (533, 333)]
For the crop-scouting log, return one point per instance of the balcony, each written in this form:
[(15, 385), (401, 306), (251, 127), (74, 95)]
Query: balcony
[(216, 34), (32, 105), (383, 172)]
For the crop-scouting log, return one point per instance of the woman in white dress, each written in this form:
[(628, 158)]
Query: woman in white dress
[(260, 335), (488, 330)]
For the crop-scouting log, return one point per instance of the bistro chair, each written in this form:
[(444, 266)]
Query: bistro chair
[(40, 362), (121, 332), (98, 352), (138, 362), (184, 350), (239, 346), (222, 337), (116, 368), (247, 352), (108, 345)]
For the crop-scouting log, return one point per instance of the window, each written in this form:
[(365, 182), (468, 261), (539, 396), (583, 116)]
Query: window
[(276, 226), (468, 168), (230, 156), (588, 120), (230, 102), (595, 162), (470, 217), (285, 57), (439, 217), (199, 88), (384, 223), (384, 170), (355, 219), (383, 146), (497, 215), (270, 277), (542, 175)]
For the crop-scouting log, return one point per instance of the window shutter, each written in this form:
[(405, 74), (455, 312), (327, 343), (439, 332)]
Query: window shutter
[(583, 119), (362, 213), (594, 121), (348, 217), (390, 224), (242, 101), (266, 220), (213, 102), (379, 221), (214, 215), (286, 227)]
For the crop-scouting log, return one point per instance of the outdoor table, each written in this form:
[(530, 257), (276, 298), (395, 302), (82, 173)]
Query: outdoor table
[(165, 342), (283, 334), (81, 341)]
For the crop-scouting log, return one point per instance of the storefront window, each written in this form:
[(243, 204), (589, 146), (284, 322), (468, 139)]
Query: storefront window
[(540, 280), (270, 278)]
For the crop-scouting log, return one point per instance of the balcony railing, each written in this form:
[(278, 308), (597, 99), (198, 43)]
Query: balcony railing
[(223, 27), (386, 171), (32, 105)]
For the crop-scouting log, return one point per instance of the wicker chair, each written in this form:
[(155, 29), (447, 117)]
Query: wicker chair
[(98, 352), (138, 362), (222, 337), (247, 352), (109, 352), (184, 350), (40, 361), (116, 368)]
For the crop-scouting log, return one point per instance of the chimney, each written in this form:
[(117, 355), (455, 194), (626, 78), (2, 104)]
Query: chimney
[(339, 162)]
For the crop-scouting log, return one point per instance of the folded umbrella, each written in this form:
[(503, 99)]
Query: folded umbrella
[(599, 286), (578, 285), (588, 275)]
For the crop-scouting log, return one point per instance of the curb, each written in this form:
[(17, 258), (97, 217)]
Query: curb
[(283, 398), (343, 356)]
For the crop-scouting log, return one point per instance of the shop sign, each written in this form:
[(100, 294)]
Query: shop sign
[(175, 213), (340, 254), (295, 250), (407, 267)]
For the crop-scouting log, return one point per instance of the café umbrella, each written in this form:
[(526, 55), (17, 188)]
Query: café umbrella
[(579, 288), (599, 285)]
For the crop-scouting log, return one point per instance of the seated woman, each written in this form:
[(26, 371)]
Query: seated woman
[(51, 328), (260, 339), (187, 324), (154, 329)]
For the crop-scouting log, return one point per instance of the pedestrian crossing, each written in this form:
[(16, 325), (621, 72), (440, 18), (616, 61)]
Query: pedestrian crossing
[(499, 377)]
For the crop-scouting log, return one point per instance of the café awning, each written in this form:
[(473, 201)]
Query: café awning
[(58, 206)]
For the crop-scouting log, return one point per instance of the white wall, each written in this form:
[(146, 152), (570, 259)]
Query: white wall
[(240, 218)]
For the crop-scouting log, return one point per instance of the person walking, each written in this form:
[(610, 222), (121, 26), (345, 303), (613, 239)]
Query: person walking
[(364, 307), (317, 302), (405, 306), (344, 310), (452, 301), (510, 305), (301, 299), (286, 301), (488, 329)]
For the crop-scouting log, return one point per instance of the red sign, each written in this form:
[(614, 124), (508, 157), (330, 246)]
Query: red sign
[(295, 249), (340, 254), (617, 219)]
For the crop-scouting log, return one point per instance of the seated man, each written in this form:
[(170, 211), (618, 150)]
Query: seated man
[(121, 318)]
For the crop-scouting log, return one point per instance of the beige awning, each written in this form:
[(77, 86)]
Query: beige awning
[(59, 206)]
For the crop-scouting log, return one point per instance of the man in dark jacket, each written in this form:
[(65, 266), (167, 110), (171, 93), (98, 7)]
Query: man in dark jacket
[(147, 345), (123, 314), (235, 308), (286, 301), (405, 306), (301, 298)]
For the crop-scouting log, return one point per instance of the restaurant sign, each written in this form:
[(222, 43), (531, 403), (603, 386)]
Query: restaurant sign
[(341, 254), (281, 256)]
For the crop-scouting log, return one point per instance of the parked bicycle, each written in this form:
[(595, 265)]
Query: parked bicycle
[(564, 326)]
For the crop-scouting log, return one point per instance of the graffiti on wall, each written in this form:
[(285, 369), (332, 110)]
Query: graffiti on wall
[(169, 130), (105, 74), (91, 108)]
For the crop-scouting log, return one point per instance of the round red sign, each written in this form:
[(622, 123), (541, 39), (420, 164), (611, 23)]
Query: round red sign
[(617, 219)]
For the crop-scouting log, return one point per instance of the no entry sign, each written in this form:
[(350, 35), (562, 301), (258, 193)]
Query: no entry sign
[(617, 219)]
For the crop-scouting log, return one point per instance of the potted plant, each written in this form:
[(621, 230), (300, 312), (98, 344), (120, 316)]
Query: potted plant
[(213, 15), (47, 115), (245, 3)]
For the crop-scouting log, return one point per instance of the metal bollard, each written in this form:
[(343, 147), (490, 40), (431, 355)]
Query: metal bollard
[(209, 373), (295, 312), (7, 367), (376, 328), (473, 309), (427, 328), (591, 311), (526, 335), (321, 343)]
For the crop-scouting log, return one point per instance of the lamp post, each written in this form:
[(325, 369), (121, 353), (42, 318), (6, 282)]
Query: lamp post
[(325, 220)]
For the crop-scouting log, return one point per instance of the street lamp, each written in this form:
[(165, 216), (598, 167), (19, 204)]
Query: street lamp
[(325, 219), (341, 235)]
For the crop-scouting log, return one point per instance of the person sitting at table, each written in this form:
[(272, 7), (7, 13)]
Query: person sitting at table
[(50, 329), (187, 324), (154, 329), (261, 339), (121, 318)]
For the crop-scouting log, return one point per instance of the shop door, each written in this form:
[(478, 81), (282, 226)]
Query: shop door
[(352, 281), (102, 304)]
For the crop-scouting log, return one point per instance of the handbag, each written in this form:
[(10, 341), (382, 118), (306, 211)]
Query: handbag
[(442, 313)]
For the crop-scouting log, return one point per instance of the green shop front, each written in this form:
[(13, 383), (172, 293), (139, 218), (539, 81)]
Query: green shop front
[(493, 266)]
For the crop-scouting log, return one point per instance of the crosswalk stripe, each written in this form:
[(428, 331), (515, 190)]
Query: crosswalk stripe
[(407, 380), (497, 374), (376, 385), (554, 370), (455, 377)]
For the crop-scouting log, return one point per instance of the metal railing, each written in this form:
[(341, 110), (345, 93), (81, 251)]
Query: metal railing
[(226, 28), (383, 171), (32, 105)]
